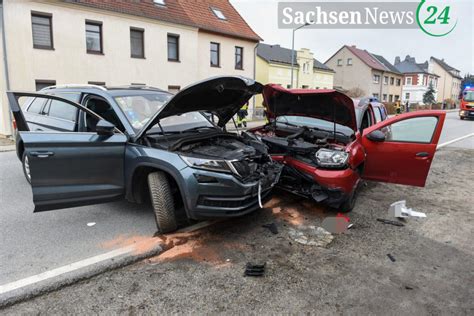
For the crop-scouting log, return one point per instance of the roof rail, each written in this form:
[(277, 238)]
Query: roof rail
[(68, 86), (134, 86)]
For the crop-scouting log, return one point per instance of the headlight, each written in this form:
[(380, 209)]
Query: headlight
[(208, 164), (331, 158), (462, 113)]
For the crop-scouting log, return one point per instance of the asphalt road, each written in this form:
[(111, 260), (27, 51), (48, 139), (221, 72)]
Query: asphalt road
[(34, 243)]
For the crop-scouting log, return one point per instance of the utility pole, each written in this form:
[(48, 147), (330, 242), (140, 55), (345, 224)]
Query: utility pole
[(293, 50)]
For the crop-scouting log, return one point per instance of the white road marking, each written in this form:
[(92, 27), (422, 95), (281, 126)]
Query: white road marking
[(5, 288), (454, 140)]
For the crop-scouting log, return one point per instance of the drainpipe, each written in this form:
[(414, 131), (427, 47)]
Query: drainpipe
[(5, 61), (381, 86), (254, 77)]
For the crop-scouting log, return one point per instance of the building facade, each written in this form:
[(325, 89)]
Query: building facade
[(449, 82), (273, 65), (416, 79), (166, 44), (371, 74)]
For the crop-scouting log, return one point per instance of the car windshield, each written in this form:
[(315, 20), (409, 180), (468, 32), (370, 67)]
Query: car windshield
[(312, 122), (468, 96), (140, 108)]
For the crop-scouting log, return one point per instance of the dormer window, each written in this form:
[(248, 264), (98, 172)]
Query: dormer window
[(159, 2), (219, 14)]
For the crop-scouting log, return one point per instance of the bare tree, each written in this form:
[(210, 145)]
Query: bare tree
[(355, 93)]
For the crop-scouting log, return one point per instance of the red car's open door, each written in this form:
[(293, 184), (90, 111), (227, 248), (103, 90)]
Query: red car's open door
[(401, 149)]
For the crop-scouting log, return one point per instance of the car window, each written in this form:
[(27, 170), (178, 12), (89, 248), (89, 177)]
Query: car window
[(413, 130), (62, 110), (377, 114), (36, 105)]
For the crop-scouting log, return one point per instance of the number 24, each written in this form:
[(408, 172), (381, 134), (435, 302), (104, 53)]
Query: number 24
[(443, 16)]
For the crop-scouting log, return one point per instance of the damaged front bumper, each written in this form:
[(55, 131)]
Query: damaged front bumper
[(211, 194)]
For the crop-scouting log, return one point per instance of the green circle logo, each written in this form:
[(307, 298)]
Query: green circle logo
[(435, 18)]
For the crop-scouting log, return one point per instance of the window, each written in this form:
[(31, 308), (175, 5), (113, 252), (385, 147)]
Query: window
[(407, 96), (218, 13), (215, 52), (349, 61), (378, 117), (408, 80), (392, 81), (397, 97), (376, 96), (41, 84), (173, 47), (62, 110), (384, 97), (137, 44), (390, 98), (288, 86), (97, 83), (239, 57), (339, 62), (174, 89), (399, 82), (42, 26), (376, 78), (413, 130), (385, 80), (304, 86), (94, 37), (36, 105)]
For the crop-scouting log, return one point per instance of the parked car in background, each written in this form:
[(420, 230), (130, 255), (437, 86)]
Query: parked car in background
[(327, 148), (83, 145), (466, 108)]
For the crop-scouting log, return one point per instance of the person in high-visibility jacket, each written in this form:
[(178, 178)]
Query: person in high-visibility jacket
[(242, 115), (398, 108)]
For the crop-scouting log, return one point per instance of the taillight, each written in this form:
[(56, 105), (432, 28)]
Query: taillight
[(14, 125)]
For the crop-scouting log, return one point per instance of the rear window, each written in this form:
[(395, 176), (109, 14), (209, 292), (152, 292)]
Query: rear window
[(36, 105), (62, 110)]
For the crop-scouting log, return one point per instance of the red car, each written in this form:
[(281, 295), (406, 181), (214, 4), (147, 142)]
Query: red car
[(326, 150)]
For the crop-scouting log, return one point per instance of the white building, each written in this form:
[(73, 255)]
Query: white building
[(166, 44)]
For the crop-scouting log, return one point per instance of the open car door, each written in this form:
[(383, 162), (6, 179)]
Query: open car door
[(400, 149), (71, 168)]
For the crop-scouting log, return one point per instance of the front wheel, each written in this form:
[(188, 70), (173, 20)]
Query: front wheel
[(461, 117), (349, 203), (26, 167), (162, 202)]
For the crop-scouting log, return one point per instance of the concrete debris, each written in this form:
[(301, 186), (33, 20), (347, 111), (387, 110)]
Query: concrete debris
[(311, 236), (400, 210)]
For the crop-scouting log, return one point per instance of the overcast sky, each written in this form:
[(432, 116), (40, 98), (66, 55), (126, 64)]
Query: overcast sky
[(457, 48)]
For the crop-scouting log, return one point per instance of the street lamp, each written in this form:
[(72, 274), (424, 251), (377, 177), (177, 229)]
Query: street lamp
[(293, 49)]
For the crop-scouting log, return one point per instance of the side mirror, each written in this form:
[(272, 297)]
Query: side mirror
[(376, 136), (104, 128)]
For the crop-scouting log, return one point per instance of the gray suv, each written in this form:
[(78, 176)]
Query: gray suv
[(83, 145)]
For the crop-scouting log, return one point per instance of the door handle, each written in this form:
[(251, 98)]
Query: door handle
[(423, 154), (42, 154)]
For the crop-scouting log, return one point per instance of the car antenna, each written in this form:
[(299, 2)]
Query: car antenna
[(163, 132)]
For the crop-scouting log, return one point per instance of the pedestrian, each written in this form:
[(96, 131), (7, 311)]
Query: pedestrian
[(242, 115), (407, 106), (444, 105), (397, 107)]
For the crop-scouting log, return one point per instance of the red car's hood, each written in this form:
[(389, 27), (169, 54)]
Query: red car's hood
[(329, 105)]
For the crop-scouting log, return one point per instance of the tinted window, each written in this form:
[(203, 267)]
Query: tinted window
[(36, 105), (63, 110), (415, 130)]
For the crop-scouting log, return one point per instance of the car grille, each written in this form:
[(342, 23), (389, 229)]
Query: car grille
[(226, 202)]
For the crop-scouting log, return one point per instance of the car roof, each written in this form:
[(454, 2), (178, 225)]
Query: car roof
[(101, 90)]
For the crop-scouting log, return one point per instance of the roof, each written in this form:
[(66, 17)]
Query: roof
[(190, 13), (278, 54), (446, 67), (373, 61)]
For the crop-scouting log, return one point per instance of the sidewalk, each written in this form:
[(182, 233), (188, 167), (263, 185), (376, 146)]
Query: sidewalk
[(6, 144)]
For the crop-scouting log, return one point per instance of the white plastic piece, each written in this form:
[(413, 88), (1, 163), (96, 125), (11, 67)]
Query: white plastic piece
[(400, 210), (91, 224), (260, 194)]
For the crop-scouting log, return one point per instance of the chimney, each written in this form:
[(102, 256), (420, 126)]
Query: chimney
[(397, 60)]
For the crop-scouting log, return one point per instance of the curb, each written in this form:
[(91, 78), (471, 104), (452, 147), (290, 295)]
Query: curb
[(7, 148)]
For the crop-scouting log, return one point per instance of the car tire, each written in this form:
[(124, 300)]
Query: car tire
[(26, 167), (162, 202), (349, 203), (462, 118)]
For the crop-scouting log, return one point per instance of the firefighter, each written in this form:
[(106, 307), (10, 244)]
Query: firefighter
[(242, 115), (398, 108)]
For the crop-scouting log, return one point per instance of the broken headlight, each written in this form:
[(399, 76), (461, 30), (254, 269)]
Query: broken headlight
[(331, 158), (208, 164)]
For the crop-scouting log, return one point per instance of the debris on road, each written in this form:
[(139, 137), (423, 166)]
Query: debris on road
[(399, 209), (311, 236), (392, 258), (91, 224), (387, 221), (255, 269), (271, 227)]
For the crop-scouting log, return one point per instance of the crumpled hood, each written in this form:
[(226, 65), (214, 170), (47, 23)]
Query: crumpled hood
[(329, 105), (222, 96)]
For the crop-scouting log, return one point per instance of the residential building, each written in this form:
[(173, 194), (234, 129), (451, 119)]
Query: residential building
[(357, 68), (449, 82), (163, 43), (416, 79), (273, 65)]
